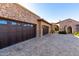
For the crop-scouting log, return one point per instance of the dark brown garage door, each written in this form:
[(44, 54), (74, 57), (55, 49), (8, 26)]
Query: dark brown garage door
[(19, 32), (45, 29), (28, 31), (3, 33), (12, 32)]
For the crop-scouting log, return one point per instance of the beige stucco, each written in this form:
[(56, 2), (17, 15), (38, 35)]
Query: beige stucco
[(53, 27)]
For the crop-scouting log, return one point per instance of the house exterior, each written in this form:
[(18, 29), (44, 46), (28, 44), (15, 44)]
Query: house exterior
[(44, 27), (69, 25), (18, 24), (55, 28)]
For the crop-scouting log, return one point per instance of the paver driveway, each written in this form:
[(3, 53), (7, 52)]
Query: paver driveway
[(49, 45)]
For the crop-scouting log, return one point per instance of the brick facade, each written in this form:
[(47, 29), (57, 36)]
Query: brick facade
[(17, 12), (63, 25)]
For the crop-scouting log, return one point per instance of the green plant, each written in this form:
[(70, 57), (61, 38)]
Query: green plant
[(76, 33)]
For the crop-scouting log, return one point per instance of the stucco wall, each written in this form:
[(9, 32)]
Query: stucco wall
[(53, 27)]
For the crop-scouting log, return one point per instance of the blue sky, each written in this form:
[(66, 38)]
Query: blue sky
[(54, 12)]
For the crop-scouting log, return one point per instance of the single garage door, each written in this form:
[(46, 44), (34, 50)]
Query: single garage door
[(12, 32), (45, 29)]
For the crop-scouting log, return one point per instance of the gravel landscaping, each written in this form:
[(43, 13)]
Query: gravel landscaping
[(48, 45)]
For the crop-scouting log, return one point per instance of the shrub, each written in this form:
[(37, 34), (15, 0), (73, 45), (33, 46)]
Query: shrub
[(76, 33), (62, 32)]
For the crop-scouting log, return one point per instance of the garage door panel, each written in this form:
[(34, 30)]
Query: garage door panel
[(3, 36), (19, 36), (24, 32), (12, 34), (45, 29), (19, 33), (29, 29)]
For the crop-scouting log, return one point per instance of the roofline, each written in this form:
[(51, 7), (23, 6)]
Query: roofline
[(32, 13), (66, 20), (44, 21), (26, 9)]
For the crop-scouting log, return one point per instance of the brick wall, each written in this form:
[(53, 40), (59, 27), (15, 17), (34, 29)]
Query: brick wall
[(17, 12), (67, 23)]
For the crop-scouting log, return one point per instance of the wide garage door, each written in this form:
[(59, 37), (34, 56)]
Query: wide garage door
[(45, 29), (12, 32)]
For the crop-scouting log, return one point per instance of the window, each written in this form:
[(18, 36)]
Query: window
[(28, 24), (3, 21), (31, 25), (25, 24), (18, 23), (13, 23), (77, 27)]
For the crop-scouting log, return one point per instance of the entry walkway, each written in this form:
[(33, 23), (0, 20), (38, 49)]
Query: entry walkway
[(49, 45)]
